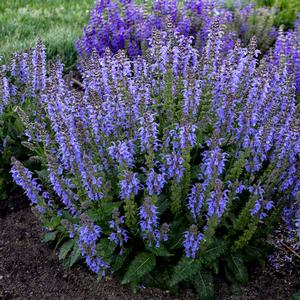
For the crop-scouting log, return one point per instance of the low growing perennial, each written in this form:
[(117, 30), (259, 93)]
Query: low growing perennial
[(171, 162)]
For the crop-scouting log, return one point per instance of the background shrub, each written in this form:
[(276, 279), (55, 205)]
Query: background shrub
[(126, 25)]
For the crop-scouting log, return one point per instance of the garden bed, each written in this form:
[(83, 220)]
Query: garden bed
[(30, 269), (171, 163)]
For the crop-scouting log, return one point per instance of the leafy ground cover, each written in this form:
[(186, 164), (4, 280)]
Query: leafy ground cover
[(58, 23)]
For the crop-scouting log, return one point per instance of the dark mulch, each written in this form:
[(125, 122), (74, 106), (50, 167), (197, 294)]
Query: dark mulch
[(30, 269)]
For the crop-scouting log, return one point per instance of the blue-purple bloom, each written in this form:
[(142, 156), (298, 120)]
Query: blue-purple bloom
[(217, 200), (149, 224), (24, 178), (192, 239), (129, 185), (122, 152), (155, 182), (119, 235), (196, 200), (5, 93), (173, 166), (148, 132), (89, 233), (213, 164)]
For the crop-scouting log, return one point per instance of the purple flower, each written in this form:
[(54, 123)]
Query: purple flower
[(97, 265), (269, 205), (89, 233), (240, 188), (23, 177), (155, 182), (297, 224), (213, 164), (255, 210), (149, 224), (64, 193), (129, 184), (148, 215), (5, 94), (196, 200), (119, 235), (122, 152), (39, 68), (173, 166), (217, 200), (191, 243), (148, 132), (182, 137)]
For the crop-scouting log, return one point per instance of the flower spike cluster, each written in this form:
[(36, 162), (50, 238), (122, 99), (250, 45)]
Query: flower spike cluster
[(171, 148)]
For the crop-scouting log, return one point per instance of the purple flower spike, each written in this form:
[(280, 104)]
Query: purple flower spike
[(191, 243)]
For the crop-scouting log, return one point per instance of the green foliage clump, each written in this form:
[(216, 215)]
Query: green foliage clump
[(286, 11)]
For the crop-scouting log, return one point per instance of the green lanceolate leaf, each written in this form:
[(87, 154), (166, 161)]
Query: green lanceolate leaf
[(141, 264), (184, 270), (108, 207), (51, 225), (161, 251), (74, 256), (103, 214), (217, 249), (119, 262), (49, 236), (66, 215), (159, 278), (43, 175), (203, 284), (65, 249), (176, 237), (238, 268), (105, 249), (254, 253), (163, 204)]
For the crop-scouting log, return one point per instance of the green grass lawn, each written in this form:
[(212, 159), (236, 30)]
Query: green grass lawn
[(57, 22)]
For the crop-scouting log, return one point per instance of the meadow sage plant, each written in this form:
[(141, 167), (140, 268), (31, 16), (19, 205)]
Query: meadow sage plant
[(169, 166)]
